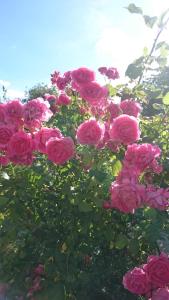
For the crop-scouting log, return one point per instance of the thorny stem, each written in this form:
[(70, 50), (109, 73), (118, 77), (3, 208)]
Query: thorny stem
[(153, 48)]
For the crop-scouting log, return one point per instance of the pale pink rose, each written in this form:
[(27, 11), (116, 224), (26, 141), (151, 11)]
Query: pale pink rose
[(112, 73), (125, 129), (126, 196), (82, 76), (6, 132), (142, 156), (61, 83), (36, 111), (157, 270), (102, 70), (114, 110), (54, 77), (20, 143), (63, 99), (60, 150), (93, 93), (43, 135), (157, 197), (2, 113), (161, 294), (14, 112), (130, 107), (136, 281), (89, 132), (4, 160)]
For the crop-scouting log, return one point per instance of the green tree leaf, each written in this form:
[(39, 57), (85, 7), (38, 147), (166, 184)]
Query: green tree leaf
[(166, 99), (132, 8), (150, 21)]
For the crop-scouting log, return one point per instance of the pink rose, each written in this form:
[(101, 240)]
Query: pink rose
[(136, 281), (36, 111), (157, 270), (6, 133), (63, 99), (89, 132), (130, 107), (112, 73), (60, 150), (125, 129), (161, 294), (14, 112), (51, 98), (102, 70), (61, 83), (67, 76), (157, 197), (93, 93), (126, 196), (141, 156), (43, 135), (39, 270), (54, 77), (2, 113), (82, 76), (24, 159), (20, 143), (113, 110)]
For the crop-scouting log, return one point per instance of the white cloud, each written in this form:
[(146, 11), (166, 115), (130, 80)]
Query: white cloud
[(12, 93)]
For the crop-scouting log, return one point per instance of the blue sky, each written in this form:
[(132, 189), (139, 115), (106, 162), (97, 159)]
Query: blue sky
[(39, 36)]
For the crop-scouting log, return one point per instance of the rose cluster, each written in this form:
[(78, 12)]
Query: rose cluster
[(22, 134), (150, 279), (127, 194)]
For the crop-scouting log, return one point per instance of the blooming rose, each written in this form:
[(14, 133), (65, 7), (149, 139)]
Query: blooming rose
[(54, 77), (112, 73), (43, 135), (6, 133), (20, 143), (114, 110), (14, 112), (82, 76), (39, 270), (102, 70), (126, 196), (67, 76), (50, 98), (24, 159), (136, 281), (130, 107), (36, 111), (125, 129), (61, 82), (60, 150), (93, 93), (161, 294), (89, 132), (63, 99), (157, 270), (141, 156), (4, 160), (157, 197), (2, 113)]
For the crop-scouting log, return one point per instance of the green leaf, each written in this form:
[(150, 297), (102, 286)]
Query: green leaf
[(56, 292), (132, 8), (121, 242), (157, 106), (166, 99), (84, 207), (117, 166), (145, 51), (150, 21), (162, 44), (133, 71), (161, 21), (3, 200)]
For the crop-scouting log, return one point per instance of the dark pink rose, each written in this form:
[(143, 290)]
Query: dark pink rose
[(112, 73), (2, 113), (6, 132), (43, 135), (161, 294), (82, 76), (136, 281), (54, 77), (93, 93), (102, 70), (20, 143), (113, 110), (61, 83), (157, 270), (63, 99), (157, 197)]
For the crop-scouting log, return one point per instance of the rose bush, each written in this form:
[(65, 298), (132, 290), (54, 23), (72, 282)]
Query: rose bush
[(84, 188)]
